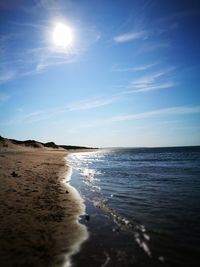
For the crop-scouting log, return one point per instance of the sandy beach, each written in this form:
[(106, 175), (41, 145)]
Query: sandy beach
[(39, 211)]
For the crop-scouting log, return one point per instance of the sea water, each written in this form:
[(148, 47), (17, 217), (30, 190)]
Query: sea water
[(152, 193)]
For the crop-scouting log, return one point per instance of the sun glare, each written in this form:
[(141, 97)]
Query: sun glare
[(62, 36)]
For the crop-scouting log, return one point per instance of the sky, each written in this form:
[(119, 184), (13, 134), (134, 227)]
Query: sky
[(129, 78)]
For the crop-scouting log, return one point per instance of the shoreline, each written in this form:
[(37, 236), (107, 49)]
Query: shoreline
[(111, 240), (39, 210)]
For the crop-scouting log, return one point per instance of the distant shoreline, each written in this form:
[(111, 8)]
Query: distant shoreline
[(13, 143)]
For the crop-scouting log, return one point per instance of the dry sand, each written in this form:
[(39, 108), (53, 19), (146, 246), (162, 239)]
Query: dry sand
[(38, 214)]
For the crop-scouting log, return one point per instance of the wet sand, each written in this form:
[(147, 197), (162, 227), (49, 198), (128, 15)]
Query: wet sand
[(39, 214)]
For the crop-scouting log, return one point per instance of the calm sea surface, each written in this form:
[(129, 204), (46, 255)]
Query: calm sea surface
[(153, 194)]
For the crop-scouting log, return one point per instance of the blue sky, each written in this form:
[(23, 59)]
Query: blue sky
[(130, 77)]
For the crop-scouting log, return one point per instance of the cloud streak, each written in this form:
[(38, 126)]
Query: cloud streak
[(91, 104), (172, 111), (130, 36), (181, 110), (151, 78), (40, 115), (146, 88), (134, 69), (151, 82)]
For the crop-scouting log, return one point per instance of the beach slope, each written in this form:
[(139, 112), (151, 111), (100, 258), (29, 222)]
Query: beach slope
[(39, 214)]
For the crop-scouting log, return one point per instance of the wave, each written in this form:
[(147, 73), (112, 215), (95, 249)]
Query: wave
[(138, 231)]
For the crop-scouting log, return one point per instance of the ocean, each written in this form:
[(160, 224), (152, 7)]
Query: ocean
[(142, 204)]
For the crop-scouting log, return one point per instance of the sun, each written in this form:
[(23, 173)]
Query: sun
[(62, 36)]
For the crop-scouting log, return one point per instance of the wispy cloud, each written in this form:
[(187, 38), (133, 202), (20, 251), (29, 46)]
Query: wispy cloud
[(29, 25), (91, 104), (146, 88), (181, 110), (157, 80), (134, 69), (49, 62), (151, 78), (40, 115), (130, 36), (154, 81)]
